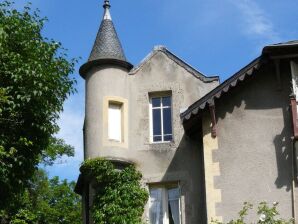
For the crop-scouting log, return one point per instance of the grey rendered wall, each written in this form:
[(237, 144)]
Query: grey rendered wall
[(254, 137), (100, 82), (180, 160)]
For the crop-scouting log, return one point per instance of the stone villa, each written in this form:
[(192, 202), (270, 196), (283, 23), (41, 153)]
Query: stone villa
[(203, 147)]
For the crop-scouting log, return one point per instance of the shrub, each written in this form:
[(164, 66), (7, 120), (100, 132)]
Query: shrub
[(119, 197)]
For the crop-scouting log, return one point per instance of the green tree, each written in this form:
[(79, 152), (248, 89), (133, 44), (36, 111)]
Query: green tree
[(45, 201), (54, 201), (34, 83), (55, 150)]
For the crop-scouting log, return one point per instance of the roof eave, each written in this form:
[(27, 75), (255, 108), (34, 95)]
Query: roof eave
[(280, 50), (104, 61), (283, 50), (224, 87)]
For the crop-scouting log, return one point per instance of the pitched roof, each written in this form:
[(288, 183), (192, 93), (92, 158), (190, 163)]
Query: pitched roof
[(177, 60), (288, 48), (216, 93), (283, 44)]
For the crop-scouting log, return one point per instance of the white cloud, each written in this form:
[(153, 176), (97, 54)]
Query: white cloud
[(256, 22)]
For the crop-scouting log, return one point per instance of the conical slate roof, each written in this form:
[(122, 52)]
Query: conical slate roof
[(107, 44), (107, 48)]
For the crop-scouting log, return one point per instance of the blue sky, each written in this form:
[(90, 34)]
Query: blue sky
[(217, 37)]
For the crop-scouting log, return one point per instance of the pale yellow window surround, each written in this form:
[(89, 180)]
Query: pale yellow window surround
[(112, 106)]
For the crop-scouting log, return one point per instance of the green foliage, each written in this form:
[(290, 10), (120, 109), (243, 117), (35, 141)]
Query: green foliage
[(24, 216), (266, 214), (55, 201), (55, 150), (34, 83), (45, 201), (119, 196)]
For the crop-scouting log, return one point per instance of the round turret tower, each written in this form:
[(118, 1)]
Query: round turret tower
[(106, 77)]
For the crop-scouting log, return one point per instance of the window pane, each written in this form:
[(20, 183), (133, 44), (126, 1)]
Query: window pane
[(155, 209), (155, 193), (156, 122), (173, 203), (166, 101), (155, 102), (114, 119), (168, 138), (173, 193), (174, 217), (167, 121), (157, 139)]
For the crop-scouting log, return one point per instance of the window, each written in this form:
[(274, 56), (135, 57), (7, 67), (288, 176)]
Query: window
[(115, 121), (161, 119), (164, 207)]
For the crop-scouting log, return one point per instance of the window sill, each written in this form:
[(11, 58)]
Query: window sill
[(164, 146), (166, 142), (115, 141)]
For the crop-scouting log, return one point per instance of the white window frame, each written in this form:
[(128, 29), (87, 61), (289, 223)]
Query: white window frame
[(165, 199), (151, 117)]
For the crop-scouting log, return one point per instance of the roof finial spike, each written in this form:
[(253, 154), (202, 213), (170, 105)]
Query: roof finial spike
[(107, 14), (106, 4)]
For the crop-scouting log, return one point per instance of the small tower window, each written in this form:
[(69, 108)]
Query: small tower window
[(115, 121), (161, 118)]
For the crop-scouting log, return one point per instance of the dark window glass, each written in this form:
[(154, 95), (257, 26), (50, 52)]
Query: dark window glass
[(167, 121), (155, 102), (157, 139), (156, 122), (162, 118), (168, 138), (166, 101)]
